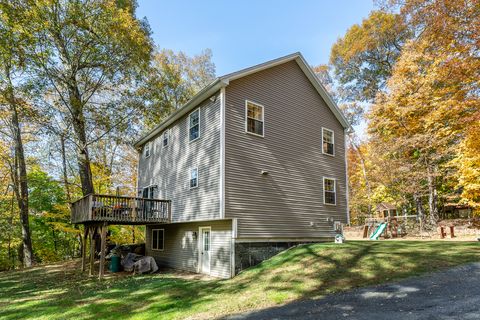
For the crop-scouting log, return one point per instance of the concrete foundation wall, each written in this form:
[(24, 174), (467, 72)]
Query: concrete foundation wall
[(249, 254)]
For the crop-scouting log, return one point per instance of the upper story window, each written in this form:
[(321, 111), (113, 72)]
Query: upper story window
[(166, 138), (194, 125), (158, 239), (147, 149), (193, 178), (254, 118), (329, 191), (149, 192), (328, 139)]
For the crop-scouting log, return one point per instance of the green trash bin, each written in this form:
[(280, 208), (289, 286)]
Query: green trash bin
[(115, 264)]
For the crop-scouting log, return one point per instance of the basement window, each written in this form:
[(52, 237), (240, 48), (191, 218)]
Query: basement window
[(328, 139), (158, 239), (329, 191), (254, 118)]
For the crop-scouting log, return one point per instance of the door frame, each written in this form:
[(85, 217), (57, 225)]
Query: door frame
[(200, 248)]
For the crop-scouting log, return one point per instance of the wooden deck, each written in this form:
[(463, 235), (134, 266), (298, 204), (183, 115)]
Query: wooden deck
[(97, 208)]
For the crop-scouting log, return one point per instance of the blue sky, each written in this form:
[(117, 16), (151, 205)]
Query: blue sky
[(244, 33)]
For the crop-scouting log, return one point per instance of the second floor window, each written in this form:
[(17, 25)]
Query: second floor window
[(149, 192), (254, 118), (165, 138), (329, 191), (194, 125), (193, 178), (328, 142), (146, 150)]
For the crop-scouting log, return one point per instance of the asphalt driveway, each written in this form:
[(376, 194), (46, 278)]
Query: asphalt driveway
[(450, 294)]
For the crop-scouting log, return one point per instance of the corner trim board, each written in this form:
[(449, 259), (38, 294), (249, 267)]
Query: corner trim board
[(222, 152)]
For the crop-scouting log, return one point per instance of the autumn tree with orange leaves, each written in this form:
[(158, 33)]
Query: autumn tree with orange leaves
[(423, 119)]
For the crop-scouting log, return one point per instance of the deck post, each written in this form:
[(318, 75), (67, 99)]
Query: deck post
[(169, 204), (92, 248), (84, 247), (103, 240), (134, 208)]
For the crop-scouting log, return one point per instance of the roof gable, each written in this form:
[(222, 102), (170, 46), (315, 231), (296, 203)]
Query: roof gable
[(385, 206), (308, 73), (223, 81)]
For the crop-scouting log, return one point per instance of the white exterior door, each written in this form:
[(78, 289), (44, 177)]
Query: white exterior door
[(204, 249)]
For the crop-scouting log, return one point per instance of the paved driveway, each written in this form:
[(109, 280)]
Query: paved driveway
[(451, 294)]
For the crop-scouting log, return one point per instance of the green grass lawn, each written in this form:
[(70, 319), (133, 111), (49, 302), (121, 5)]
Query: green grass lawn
[(62, 292)]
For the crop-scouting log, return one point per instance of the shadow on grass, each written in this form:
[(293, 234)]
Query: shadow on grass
[(308, 271)]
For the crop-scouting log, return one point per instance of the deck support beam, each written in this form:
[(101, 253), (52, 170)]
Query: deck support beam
[(92, 248), (103, 240), (84, 247)]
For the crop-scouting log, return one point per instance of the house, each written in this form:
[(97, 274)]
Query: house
[(251, 165), (386, 210)]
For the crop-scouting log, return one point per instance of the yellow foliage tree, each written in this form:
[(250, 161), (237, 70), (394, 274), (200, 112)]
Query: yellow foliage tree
[(468, 164)]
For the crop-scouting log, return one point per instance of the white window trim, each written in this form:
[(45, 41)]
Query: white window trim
[(334, 190), (190, 178), (246, 118), (333, 142), (189, 127), (149, 144), (200, 245), (163, 239), (166, 132)]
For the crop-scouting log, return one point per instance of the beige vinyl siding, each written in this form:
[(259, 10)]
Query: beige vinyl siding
[(169, 167), (181, 246), (283, 203)]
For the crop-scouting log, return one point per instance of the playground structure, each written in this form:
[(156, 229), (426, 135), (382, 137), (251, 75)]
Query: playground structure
[(387, 227)]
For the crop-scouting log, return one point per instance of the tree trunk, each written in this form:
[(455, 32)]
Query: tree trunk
[(11, 255), (80, 245), (67, 185), (19, 177), (54, 236), (364, 172), (419, 206), (78, 121), (432, 195), (64, 168)]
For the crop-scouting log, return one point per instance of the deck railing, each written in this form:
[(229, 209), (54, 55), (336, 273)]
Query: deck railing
[(120, 210)]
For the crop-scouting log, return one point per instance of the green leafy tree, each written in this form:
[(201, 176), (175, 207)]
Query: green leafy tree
[(52, 232), (10, 230), (14, 110), (173, 79), (91, 54)]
